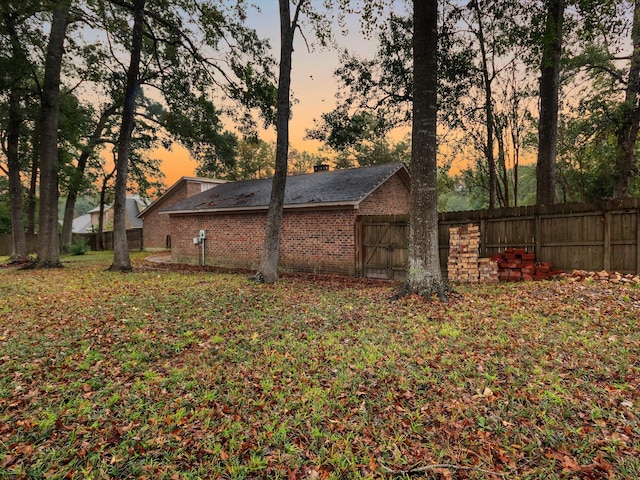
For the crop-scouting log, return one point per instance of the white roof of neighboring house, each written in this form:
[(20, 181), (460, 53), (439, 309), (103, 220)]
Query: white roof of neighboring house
[(82, 224), (134, 206)]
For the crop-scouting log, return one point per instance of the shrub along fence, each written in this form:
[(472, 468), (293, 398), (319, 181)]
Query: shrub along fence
[(603, 236), (134, 239)]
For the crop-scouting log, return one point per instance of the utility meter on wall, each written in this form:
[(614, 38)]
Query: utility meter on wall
[(203, 234)]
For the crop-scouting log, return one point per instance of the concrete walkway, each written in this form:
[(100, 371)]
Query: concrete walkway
[(159, 258)]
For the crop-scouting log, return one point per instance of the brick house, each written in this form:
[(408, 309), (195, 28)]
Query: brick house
[(318, 232), (155, 227)]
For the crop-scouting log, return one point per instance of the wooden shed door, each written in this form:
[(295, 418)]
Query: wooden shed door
[(383, 247)]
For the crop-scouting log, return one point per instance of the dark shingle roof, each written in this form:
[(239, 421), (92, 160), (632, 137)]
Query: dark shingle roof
[(339, 187)]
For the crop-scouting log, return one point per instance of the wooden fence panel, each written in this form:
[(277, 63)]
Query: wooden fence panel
[(571, 241), (134, 238), (624, 239), (500, 233), (6, 244), (570, 236)]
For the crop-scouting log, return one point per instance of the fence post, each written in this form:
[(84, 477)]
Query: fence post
[(537, 231), (637, 240), (607, 239), (359, 239)]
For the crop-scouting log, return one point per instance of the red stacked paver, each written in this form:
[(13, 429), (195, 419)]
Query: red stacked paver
[(516, 265)]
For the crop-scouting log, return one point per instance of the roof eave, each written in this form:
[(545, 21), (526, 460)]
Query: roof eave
[(259, 208)]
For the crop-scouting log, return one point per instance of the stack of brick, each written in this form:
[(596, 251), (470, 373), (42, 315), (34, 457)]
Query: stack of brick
[(602, 276), (488, 270), (516, 265), (464, 244)]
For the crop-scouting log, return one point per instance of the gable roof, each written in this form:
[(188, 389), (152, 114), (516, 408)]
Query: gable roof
[(160, 200), (335, 188)]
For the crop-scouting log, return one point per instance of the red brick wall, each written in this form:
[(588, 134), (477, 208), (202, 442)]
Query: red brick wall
[(320, 241), (317, 241), (391, 198)]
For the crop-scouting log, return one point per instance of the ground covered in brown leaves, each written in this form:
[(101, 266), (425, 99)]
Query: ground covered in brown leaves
[(196, 373)]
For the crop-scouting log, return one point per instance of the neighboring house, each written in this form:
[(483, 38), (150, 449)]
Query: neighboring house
[(318, 232), (82, 224), (88, 223), (156, 227)]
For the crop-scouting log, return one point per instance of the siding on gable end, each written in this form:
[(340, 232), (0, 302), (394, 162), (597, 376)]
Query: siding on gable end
[(312, 240)]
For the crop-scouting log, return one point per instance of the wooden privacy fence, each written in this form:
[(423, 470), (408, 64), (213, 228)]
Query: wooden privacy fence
[(604, 236), (6, 243), (134, 239)]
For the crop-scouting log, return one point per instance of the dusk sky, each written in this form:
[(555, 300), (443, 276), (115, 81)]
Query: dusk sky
[(312, 83)]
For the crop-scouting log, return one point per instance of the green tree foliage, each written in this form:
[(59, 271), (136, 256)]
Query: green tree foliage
[(303, 162), (587, 153), (491, 55), (604, 66), (375, 151), (195, 54), (19, 40)]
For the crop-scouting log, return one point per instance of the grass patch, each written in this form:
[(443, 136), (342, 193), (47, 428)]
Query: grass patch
[(195, 373)]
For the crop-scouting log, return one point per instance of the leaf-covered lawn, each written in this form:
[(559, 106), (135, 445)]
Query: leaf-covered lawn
[(186, 373)]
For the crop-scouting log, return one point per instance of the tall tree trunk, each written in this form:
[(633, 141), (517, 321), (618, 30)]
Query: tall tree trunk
[(268, 271), (627, 132), (515, 140), (488, 110), (48, 240), (33, 180), (121, 259), (19, 252), (78, 175), (103, 201), (503, 186), (549, 91), (424, 276), (15, 75)]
